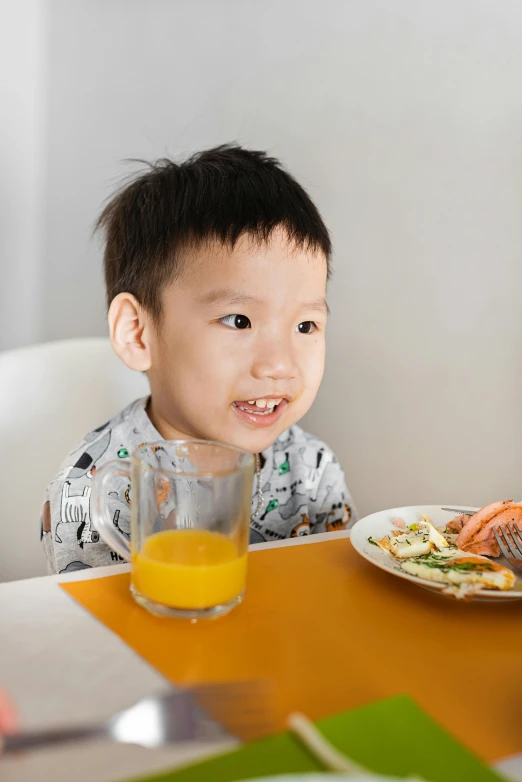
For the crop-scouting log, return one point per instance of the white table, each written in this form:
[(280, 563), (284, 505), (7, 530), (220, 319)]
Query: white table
[(61, 665)]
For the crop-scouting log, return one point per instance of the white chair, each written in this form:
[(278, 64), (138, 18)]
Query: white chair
[(51, 395)]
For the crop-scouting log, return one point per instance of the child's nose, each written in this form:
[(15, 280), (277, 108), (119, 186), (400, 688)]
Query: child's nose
[(274, 360)]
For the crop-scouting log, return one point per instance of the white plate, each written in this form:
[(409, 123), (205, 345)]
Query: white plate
[(380, 524)]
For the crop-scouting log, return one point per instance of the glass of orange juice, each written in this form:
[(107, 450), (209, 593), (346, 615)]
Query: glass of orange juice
[(190, 512)]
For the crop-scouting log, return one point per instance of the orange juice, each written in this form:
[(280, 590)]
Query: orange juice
[(189, 569)]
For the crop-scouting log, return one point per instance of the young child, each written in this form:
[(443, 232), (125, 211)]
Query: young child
[(216, 274)]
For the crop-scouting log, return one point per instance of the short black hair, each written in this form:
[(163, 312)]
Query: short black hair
[(219, 195)]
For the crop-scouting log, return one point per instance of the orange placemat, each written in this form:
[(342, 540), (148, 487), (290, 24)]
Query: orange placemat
[(336, 633)]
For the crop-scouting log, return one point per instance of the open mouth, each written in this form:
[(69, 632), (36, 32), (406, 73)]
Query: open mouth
[(261, 412)]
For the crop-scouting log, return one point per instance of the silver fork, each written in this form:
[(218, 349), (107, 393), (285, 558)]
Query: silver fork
[(205, 714), (509, 539)]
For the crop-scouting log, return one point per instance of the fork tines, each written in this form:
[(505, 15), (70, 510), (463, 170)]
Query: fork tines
[(509, 538)]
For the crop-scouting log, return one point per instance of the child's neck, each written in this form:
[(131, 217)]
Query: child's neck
[(162, 425)]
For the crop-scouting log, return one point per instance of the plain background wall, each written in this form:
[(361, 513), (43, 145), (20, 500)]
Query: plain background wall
[(22, 154), (403, 120)]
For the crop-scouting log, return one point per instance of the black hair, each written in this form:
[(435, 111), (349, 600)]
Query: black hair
[(219, 195)]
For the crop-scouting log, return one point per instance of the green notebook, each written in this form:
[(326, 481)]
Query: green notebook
[(392, 737)]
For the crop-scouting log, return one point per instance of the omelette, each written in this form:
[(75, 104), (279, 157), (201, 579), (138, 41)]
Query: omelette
[(424, 552)]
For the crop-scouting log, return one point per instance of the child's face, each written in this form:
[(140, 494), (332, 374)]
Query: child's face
[(238, 327)]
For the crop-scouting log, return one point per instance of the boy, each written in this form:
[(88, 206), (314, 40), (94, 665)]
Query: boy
[(216, 275)]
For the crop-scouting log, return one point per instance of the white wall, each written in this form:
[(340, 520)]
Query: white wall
[(404, 121), (22, 84)]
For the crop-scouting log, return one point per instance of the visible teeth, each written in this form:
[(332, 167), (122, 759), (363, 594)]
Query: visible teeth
[(268, 410), (263, 404)]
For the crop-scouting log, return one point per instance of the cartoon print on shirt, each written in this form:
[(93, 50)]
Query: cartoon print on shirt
[(116, 522), (301, 529), (95, 432), (272, 505), (330, 492), (317, 462), (75, 509), (337, 524), (164, 497), (285, 466), (76, 565), (278, 485), (295, 506), (89, 457), (86, 534)]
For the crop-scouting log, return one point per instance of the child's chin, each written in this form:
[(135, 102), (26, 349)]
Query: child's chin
[(256, 442)]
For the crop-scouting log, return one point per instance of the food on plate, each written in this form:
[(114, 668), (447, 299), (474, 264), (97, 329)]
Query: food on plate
[(456, 524), (459, 568), (425, 552), (476, 533), (419, 539)]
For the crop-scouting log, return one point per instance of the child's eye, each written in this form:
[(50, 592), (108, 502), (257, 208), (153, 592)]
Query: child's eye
[(306, 327), (236, 321)]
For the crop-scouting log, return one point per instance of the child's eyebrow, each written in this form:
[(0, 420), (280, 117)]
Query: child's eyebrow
[(319, 305), (230, 296)]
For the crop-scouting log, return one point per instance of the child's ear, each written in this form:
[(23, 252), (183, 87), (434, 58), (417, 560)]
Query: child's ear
[(129, 329)]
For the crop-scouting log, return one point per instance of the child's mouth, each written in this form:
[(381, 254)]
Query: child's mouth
[(260, 412)]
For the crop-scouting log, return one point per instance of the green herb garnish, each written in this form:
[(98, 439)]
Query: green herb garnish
[(437, 563)]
